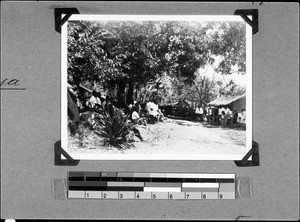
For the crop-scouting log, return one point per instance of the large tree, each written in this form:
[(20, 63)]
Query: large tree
[(228, 40), (129, 55)]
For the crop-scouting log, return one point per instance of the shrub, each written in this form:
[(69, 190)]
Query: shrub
[(114, 129), (88, 122)]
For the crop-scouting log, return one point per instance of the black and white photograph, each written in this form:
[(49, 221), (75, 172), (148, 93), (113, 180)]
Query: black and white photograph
[(156, 87)]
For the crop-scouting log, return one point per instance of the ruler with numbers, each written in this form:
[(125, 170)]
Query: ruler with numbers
[(129, 185)]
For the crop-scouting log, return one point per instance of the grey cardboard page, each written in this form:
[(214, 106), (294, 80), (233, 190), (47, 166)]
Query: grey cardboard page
[(30, 119)]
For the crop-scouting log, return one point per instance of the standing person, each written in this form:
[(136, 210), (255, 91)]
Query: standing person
[(109, 106), (201, 113), (243, 117), (228, 111), (207, 113), (234, 117), (204, 113), (223, 109), (210, 112), (198, 112), (223, 119), (215, 115), (239, 117), (219, 111), (219, 115), (73, 112), (229, 117)]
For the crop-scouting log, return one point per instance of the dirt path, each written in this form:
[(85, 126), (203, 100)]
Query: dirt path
[(177, 138)]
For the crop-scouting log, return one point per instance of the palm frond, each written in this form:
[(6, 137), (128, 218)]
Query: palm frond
[(114, 129)]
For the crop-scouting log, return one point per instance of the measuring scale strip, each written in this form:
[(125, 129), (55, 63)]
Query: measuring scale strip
[(124, 185)]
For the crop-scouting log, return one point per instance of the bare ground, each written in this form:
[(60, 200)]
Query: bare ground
[(176, 137)]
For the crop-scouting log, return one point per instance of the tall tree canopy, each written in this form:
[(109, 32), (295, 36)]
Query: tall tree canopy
[(128, 55)]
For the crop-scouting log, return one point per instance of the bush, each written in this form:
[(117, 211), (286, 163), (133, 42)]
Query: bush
[(114, 129)]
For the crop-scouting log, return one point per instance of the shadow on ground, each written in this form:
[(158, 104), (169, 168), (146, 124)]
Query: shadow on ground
[(240, 128)]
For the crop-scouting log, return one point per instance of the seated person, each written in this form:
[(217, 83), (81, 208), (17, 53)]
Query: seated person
[(130, 107), (98, 101), (160, 115), (92, 101), (135, 117), (152, 110)]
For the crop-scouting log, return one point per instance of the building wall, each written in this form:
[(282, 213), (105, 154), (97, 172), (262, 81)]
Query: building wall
[(239, 104)]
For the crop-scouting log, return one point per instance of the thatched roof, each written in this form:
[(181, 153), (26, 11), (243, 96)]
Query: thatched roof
[(223, 101)]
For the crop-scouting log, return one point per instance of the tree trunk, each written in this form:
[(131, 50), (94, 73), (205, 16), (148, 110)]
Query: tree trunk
[(137, 94), (121, 95), (129, 96)]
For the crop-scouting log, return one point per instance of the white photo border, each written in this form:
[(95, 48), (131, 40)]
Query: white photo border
[(64, 64)]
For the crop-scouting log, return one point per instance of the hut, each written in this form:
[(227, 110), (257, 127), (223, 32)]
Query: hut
[(232, 102)]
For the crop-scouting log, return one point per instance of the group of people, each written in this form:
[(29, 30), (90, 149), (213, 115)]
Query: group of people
[(149, 113), (95, 102), (153, 112), (228, 117), (135, 114), (221, 115)]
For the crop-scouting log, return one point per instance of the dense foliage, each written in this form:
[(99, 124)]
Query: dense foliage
[(152, 59)]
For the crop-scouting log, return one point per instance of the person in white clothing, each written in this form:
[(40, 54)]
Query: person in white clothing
[(228, 111), (219, 111), (201, 113), (93, 100), (223, 109), (209, 113), (198, 111), (135, 116), (239, 118), (243, 116)]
